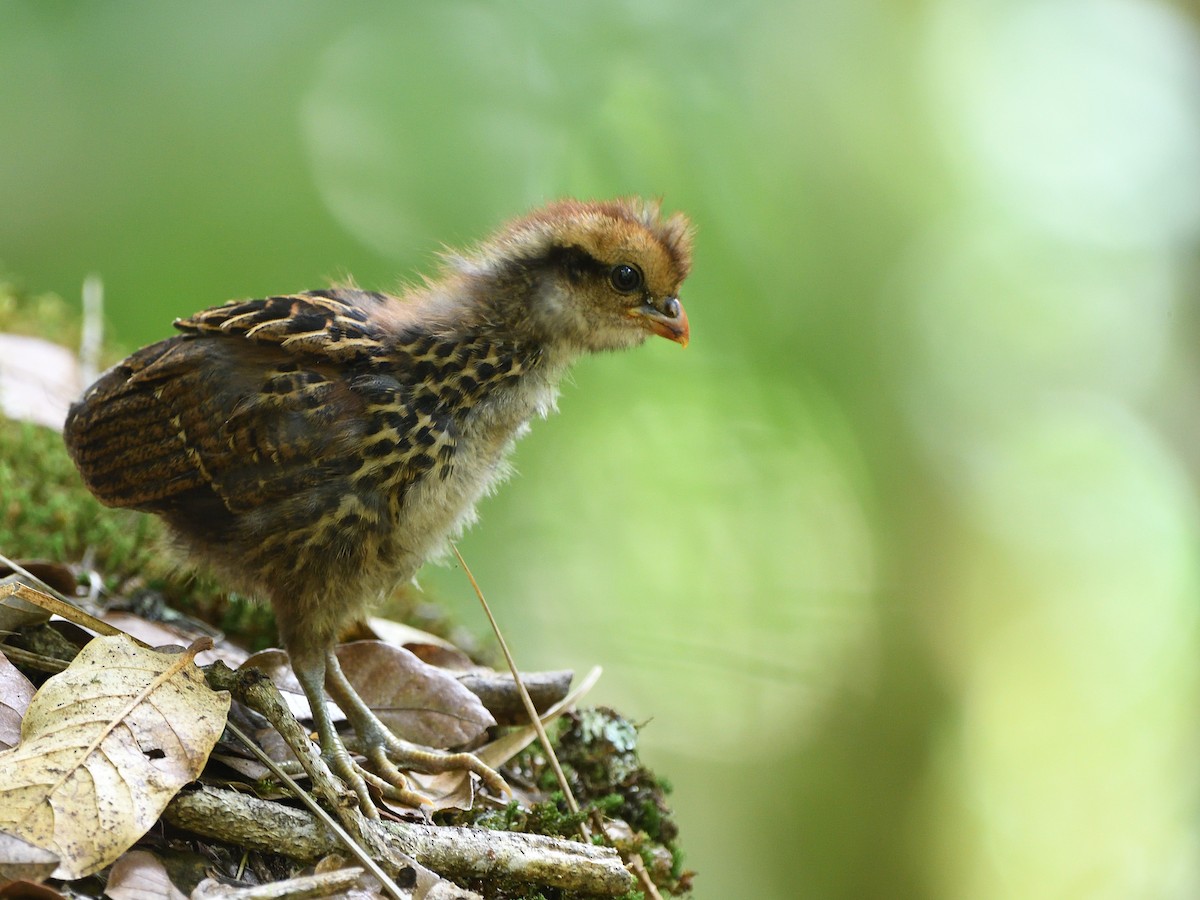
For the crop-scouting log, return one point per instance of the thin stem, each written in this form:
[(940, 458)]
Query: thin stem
[(534, 718)]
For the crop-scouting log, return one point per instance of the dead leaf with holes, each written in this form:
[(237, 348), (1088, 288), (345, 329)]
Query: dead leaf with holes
[(104, 747)]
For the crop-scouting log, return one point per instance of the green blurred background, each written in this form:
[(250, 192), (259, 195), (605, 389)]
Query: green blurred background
[(899, 559)]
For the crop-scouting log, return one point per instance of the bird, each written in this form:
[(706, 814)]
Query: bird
[(314, 449)]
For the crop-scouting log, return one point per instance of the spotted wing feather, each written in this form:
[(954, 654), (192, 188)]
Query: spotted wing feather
[(201, 419)]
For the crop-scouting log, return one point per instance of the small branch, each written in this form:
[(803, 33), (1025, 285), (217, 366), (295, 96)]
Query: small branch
[(34, 661), (530, 710), (498, 692), (460, 853), (355, 831)]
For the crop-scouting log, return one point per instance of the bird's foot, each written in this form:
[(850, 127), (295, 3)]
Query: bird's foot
[(388, 757)]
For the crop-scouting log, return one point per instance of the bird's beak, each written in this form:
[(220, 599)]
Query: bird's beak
[(670, 322)]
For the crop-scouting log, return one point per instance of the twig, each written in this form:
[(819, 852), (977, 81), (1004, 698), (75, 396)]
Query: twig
[(35, 661), (261, 695), (534, 719), (639, 868), (462, 853), (55, 603)]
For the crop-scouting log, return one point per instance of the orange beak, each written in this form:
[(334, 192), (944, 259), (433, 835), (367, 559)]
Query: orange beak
[(670, 322)]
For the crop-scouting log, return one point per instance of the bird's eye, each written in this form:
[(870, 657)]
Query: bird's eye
[(625, 278)]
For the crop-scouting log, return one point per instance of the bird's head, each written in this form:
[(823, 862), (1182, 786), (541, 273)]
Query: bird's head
[(589, 276)]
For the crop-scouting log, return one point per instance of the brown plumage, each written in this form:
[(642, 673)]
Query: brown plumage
[(316, 448)]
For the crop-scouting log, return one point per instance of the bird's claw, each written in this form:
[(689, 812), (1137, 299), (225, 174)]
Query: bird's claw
[(388, 757), (386, 760)]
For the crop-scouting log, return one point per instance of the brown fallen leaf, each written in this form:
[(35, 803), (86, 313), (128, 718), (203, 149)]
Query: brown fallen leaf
[(54, 574), (161, 634), (401, 635), (420, 702), (140, 875), (104, 746), (423, 703), (498, 691), (24, 889), (16, 692), (428, 647)]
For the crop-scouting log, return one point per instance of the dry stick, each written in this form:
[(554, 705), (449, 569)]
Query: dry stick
[(356, 850), (467, 854), (534, 718), (639, 867), (92, 338), (33, 661), (55, 603)]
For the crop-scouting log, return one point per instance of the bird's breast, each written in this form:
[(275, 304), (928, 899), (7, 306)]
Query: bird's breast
[(463, 450)]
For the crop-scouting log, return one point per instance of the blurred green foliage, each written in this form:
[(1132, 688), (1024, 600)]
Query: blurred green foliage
[(900, 555)]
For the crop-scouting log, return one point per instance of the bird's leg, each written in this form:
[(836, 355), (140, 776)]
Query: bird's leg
[(310, 672), (387, 753)]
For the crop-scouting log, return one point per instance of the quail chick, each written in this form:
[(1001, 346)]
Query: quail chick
[(316, 448)]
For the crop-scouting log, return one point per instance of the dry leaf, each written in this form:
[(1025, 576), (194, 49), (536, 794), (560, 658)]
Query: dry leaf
[(419, 702), (443, 657), (104, 746), (140, 875), (161, 634), (38, 380), (20, 859), (428, 647), (16, 692), (402, 635), (498, 691)]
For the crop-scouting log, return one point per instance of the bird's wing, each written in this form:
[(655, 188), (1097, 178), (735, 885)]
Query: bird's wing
[(333, 324), (209, 420)]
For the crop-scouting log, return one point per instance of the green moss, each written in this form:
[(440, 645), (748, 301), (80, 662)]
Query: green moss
[(47, 513), (598, 751)]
